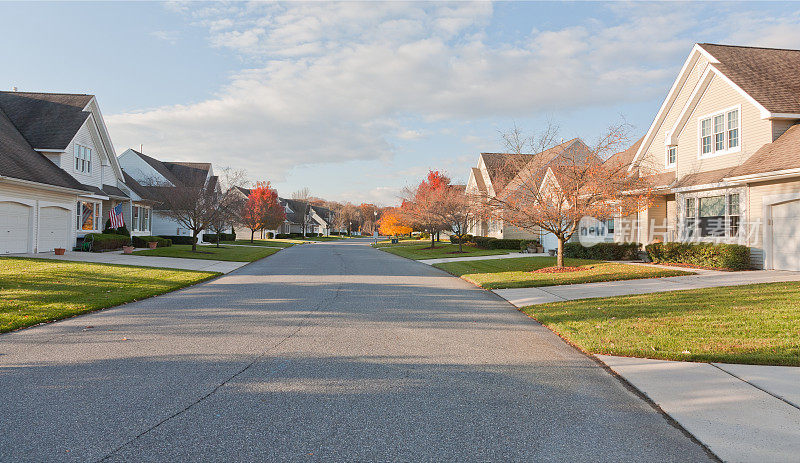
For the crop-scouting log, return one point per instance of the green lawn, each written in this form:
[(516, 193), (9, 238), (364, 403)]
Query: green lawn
[(33, 291), (266, 243), (419, 251), (516, 272), (754, 324), (228, 253)]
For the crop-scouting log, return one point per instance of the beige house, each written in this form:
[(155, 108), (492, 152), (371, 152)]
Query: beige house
[(724, 150)]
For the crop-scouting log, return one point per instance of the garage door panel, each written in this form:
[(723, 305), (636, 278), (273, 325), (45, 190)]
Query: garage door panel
[(15, 230), (786, 236), (54, 225)]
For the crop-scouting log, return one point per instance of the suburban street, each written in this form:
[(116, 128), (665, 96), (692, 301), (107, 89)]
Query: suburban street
[(321, 352)]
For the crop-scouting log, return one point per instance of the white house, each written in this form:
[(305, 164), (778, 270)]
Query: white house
[(145, 172), (59, 175)]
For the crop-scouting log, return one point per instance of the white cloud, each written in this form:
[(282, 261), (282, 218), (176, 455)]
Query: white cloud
[(167, 36), (329, 82)]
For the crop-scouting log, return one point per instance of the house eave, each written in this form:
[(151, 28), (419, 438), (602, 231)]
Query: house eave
[(774, 175), (43, 186)]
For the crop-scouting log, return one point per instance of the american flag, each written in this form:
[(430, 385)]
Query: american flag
[(115, 215)]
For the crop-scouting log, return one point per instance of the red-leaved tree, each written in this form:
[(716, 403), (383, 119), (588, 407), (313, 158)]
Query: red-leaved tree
[(262, 210)]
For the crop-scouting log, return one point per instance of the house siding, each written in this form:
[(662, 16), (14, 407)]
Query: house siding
[(85, 138), (757, 192), (654, 158), (754, 131)]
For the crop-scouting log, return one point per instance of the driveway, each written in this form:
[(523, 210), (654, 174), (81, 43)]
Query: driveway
[(331, 352), (117, 257)]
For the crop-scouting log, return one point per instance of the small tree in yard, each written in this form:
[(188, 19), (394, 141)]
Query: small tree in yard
[(192, 205), (262, 210), (303, 201), (423, 204), (457, 210), (228, 206), (390, 224), (562, 183)]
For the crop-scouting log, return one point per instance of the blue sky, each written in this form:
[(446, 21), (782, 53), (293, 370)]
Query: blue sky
[(356, 100)]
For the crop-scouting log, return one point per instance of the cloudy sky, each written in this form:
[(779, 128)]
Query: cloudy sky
[(356, 100)]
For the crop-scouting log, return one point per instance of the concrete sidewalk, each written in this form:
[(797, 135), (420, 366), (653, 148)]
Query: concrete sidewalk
[(521, 297), (463, 259), (117, 257), (742, 413)]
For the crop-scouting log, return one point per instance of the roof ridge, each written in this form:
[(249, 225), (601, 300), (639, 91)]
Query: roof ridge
[(46, 93), (747, 46)]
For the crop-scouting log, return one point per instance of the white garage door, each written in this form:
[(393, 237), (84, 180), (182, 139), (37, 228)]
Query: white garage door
[(15, 231), (54, 223), (786, 236)]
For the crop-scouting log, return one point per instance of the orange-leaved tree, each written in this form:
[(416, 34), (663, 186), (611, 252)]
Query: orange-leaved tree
[(262, 210), (391, 224), (422, 205)]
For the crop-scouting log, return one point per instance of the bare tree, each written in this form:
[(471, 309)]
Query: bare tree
[(227, 207), (303, 200), (559, 184), (192, 205)]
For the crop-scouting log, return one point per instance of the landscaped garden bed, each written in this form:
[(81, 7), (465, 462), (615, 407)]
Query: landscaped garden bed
[(419, 251), (754, 324), (522, 272), (34, 291)]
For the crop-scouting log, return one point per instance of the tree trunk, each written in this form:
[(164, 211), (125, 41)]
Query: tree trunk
[(460, 243), (218, 239), (252, 234), (560, 253), (194, 240), (433, 235)]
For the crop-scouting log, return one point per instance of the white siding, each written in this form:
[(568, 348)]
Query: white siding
[(84, 137)]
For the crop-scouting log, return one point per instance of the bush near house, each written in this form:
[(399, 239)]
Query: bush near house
[(603, 251), (141, 241), (107, 241), (466, 239), (177, 239), (720, 256), (497, 243), (212, 237)]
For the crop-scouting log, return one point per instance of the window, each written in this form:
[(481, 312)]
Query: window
[(83, 159), (88, 216), (733, 128), (712, 216), (705, 134), (672, 155), (141, 218), (610, 226), (719, 133), (691, 214), (135, 221), (733, 215)]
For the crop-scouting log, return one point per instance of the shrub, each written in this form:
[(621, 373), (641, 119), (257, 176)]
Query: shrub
[(107, 241), (123, 230), (464, 239), (141, 241), (721, 256), (179, 239), (602, 251), (487, 242), (212, 237)]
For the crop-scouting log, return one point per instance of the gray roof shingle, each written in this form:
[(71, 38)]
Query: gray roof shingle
[(46, 120), (19, 160)]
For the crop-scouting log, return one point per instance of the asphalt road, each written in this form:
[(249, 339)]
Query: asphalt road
[(323, 352)]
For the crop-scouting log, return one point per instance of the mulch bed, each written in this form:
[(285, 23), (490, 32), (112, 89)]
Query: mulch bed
[(560, 269)]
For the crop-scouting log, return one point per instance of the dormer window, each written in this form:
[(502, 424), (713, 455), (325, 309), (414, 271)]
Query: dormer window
[(719, 133), (83, 159), (672, 156)]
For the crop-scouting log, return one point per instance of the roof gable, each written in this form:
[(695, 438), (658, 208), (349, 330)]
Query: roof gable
[(18, 160), (48, 121)]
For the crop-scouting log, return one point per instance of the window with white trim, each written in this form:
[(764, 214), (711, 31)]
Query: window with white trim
[(88, 216), (83, 159), (672, 156), (719, 133), (141, 218), (713, 216)]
